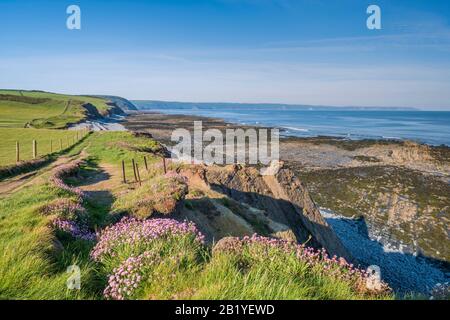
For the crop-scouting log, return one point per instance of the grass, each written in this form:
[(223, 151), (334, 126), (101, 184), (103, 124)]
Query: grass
[(25, 137), (45, 110), (33, 270), (34, 257), (159, 195), (31, 266), (113, 148), (178, 268), (16, 114), (280, 278)]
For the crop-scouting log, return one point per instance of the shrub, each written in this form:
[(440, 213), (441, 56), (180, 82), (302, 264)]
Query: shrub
[(160, 195), (292, 259), (71, 217), (76, 230), (127, 277), (132, 237), (65, 208), (63, 171), (132, 250)]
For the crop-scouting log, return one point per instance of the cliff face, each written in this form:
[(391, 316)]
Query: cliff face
[(401, 189), (237, 201), (122, 103), (91, 111)]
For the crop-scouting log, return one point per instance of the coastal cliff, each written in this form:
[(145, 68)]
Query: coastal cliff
[(277, 205), (386, 200), (122, 103)]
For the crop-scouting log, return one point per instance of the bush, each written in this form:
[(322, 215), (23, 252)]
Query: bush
[(66, 208), (71, 217), (160, 195), (132, 237), (301, 266), (172, 265), (57, 178)]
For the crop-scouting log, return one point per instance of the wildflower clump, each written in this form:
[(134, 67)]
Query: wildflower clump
[(71, 216), (127, 277), (57, 178), (133, 252), (256, 249), (132, 236), (76, 230), (66, 208)]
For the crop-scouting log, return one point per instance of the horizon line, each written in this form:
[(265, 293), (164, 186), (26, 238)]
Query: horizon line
[(399, 108)]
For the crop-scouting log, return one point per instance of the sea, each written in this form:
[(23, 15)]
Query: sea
[(430, 127)]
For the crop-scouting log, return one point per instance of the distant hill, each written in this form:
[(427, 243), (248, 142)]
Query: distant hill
[(40, 109), (120, 102), (156, 104)]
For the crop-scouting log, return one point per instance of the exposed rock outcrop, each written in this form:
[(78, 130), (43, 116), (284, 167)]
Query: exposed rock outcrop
[(91, 111), (280, 205), (114, 109), (120, 102)]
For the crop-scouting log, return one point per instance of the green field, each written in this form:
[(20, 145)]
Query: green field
[(25, 137), (19, 109)]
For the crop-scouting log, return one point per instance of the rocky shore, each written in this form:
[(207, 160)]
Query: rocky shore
[(398, 190)]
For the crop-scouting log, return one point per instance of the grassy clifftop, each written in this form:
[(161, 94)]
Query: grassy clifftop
[(72, 215), (40, 109)]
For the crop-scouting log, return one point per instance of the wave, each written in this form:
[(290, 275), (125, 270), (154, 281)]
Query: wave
[(392, 138), (398, 266), (297, 129)]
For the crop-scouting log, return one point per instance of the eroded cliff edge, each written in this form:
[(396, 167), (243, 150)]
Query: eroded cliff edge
[(237, 200)]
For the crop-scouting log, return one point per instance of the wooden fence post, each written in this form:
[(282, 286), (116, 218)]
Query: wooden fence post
[(51, 146), (134, 170), (34, 149), (164, 165), (138, 174), (17, 151), (145, 162), (123, 172)]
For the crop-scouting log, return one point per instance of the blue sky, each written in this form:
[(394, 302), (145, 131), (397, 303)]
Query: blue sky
[(288, 51)]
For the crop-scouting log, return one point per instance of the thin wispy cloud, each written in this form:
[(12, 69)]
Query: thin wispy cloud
[(141, 76), (287, 51), (438, 41)]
